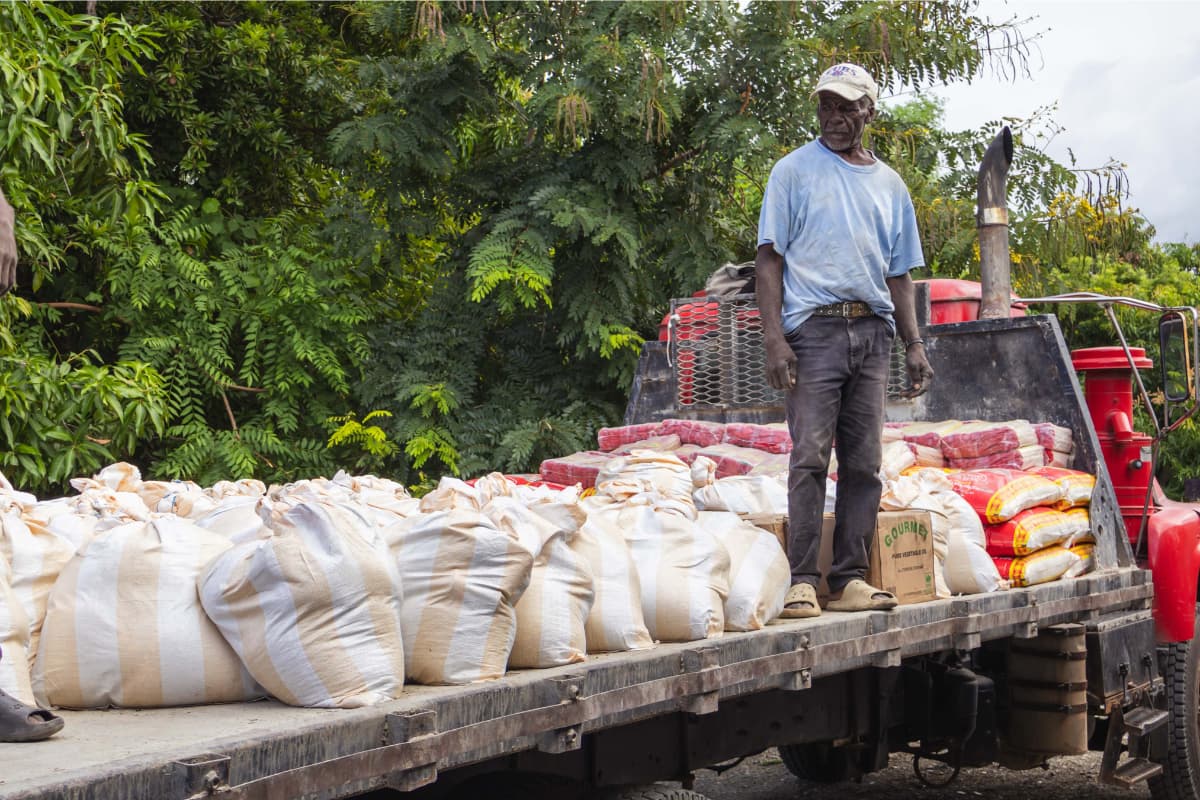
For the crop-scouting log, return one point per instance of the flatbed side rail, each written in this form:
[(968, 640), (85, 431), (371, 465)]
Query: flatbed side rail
[(554, 709)]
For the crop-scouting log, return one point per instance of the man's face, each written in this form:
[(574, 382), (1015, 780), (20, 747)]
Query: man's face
[(842, 121)]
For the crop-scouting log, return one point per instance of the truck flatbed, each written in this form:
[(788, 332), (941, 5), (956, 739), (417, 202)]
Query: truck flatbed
[(268, 750)]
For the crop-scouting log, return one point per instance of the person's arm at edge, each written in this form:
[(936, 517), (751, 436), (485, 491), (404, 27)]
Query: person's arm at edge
[(8, 246), (915, 360), (768, 287)]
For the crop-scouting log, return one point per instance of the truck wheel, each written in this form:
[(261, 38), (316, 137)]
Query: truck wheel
[(819, 762), (654, 792), (1180, 779)]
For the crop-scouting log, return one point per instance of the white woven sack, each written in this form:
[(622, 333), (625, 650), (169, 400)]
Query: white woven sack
[(759, 572), (553, 610), (35, 555), (743, 494), (616, 622), (236, 518), (14, 642), (313, 609), (386, 499), (124, 626), (646, 472), (462, 579), (683, 570)]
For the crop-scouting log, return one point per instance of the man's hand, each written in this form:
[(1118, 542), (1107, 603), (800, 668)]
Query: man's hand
[(781, 364), (8, 247), (920, 374)]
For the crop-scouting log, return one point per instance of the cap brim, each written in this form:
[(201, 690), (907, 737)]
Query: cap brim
[(846, 90)]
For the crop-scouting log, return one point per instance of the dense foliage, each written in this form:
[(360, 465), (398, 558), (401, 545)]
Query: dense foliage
[(276, 239)]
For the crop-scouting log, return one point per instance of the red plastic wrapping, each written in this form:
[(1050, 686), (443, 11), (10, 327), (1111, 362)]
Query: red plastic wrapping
[(611, 438), (975, 439), (575, 468), (1026, 458), (692, 431), (771, 438)]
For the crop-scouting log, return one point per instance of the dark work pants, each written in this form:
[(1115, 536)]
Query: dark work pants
[(841, 382)]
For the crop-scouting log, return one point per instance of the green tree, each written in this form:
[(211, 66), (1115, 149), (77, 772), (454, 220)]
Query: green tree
[(567, 168)]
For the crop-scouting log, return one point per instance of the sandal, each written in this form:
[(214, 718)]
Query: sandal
[(858, 595), (24, 723), (800, 602)]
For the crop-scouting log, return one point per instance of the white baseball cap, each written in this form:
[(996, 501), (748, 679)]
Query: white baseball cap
[(849, 81)]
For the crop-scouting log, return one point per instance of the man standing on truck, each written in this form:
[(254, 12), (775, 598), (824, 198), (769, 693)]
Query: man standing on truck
[(837, 236)]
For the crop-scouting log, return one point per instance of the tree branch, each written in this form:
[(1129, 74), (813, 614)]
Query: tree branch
[(76, 306), (229, 411)]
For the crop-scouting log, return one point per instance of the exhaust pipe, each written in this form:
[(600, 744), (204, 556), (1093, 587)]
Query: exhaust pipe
[(995, 266)]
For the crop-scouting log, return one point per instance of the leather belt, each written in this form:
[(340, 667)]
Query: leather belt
[(849, 310)]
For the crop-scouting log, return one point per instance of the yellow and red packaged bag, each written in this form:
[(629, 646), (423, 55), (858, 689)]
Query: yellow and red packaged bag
[(1048, 564), (1087, 560), (1077, 486), (998, 495), (1031, 530)]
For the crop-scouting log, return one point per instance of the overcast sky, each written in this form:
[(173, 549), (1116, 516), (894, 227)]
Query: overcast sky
[(1126, 79)]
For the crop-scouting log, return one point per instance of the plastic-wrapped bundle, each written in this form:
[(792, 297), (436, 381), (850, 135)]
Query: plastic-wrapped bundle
[(1054, 437), (772, 438), (660, 443), (693, 431), (929, 434), (975, 439), (124, 624), (580, 468), (611, 438), (313, 609), (897, 457), (1023, 458)]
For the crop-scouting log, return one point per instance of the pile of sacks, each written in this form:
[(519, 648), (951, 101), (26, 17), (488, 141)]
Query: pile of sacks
[(1036, 523), (736, 448), (334, 593), (1013, 444)]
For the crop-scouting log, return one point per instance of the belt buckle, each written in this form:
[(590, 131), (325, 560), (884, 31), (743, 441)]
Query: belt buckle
[(847, 309)]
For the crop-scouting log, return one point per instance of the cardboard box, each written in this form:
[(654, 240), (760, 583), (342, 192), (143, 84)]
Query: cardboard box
[(775, 523), (901, 554), (901, 559)]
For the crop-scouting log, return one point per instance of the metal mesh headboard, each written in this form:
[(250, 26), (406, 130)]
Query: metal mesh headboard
[(718, 358), (717, 353)]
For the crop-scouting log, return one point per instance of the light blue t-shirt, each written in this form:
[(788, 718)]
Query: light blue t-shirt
[(842, 230)]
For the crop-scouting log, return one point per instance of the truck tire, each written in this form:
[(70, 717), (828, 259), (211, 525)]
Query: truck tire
[(655, 792), (1180, 779), (818, 762)]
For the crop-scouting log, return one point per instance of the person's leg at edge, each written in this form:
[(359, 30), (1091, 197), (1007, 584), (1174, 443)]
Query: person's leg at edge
[(820, 345), (860, 451)]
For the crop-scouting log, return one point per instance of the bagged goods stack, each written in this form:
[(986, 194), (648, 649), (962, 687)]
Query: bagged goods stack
[(1057, 443), (616, 622), (759, 573), (14, 642), (580, 468), (313, 609), (553, 610), (124, 625), (979, 445)]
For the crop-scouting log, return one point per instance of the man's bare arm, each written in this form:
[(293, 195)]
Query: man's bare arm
[(768, 286), (903, 298)]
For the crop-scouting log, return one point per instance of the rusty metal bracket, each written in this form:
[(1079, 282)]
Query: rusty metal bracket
[(202, 776), (567, 690)]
